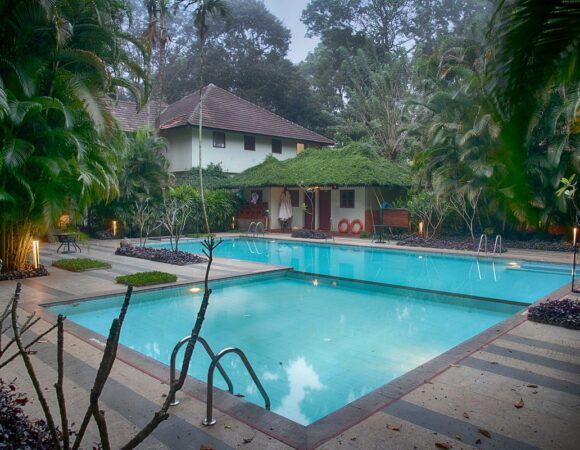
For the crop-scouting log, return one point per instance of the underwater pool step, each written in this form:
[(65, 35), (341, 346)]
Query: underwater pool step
[(541, 269)]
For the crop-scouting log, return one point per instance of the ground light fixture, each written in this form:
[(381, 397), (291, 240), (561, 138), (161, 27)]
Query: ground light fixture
[(421, 229), (36, 253), (114, 228)]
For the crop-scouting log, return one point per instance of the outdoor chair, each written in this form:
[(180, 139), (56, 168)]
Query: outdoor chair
[(67, 240)]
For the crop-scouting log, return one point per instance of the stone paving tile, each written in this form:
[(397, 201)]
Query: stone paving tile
[(531, 425), (373, 434), (500, 387), (525, 366), (543, 353), (547, 350)]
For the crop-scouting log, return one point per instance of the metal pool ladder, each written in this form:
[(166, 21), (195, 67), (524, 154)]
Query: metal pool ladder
[(497, 246), (256, 228), (209, 420)]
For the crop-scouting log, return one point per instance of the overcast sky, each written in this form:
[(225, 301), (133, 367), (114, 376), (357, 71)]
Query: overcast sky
[(289, 12)]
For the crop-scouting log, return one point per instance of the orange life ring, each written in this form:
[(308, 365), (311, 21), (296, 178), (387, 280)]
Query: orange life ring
[(358, 229), (342, 230)]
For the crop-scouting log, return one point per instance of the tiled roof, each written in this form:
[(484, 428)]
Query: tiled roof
[(225, 111), (131, 119)]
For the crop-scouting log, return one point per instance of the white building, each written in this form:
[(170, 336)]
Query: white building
[(236, 133)]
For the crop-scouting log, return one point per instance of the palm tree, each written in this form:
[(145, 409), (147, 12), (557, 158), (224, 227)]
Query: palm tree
[(203, 9), (156, 35), (535, 45), (59, 144)]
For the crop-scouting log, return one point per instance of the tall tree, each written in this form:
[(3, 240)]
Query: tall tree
[(377, 94), (203, 10), (157, 36)]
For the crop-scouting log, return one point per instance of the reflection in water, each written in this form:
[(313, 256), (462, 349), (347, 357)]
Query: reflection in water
[(301, 376)]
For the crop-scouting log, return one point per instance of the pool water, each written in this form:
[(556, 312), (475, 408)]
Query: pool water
[(499, 279), (316, 345)]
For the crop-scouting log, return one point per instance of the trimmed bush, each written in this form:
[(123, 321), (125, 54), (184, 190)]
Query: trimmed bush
[(81, 264), (161, 255), (146, 278)]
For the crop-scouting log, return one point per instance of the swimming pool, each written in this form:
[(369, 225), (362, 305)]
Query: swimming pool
[(316, 344), (500, 279)]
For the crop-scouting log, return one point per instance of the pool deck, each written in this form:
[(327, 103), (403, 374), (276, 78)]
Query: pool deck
[(465, 397)]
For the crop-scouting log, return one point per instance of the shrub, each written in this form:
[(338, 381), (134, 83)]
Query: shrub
[(565, 312), (146, 278), (17, 431), (163, 255), (81, 264)]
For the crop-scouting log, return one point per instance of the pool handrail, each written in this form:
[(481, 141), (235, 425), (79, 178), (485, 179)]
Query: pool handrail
[(209, 352), (209, 420)]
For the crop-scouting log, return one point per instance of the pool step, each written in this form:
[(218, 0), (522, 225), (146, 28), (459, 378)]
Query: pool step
[(541, 269)]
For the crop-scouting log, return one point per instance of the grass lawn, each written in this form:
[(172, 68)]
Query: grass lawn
[(146, 278), (81, 264)]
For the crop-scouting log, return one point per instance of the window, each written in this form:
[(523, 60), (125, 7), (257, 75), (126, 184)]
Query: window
[(347, 198), (250, 143), (299, 148), (219, 139), (276, 146)]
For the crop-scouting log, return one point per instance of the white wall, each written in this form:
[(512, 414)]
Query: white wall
[(179, 149), (233, 157), (358, 212)]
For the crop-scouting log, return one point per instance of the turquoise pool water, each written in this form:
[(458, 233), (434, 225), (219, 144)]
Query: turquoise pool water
[(316, 346), (508, 280)]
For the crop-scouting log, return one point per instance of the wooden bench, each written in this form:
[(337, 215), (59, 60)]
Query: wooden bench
[(392, 218)]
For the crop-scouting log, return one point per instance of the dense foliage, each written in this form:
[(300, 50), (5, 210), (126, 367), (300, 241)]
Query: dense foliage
[(59, 61), (352, 165), (17, 431)]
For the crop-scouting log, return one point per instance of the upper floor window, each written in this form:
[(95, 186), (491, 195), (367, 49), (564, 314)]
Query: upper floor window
[(347, 198), (250, 143), (276, 146), (219, 139)]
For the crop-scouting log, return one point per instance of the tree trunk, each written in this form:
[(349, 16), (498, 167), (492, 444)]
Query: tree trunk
[(200, 167)]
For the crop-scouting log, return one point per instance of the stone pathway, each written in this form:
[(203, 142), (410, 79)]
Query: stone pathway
[(469, 403)]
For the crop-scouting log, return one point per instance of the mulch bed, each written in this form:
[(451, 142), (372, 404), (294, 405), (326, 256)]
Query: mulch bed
[(178, 258), (25, 273), (448, 244), (537, 244), (461, 243), (310, 234), (565, 313)]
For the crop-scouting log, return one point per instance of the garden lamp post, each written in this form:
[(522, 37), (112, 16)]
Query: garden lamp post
[(35, 254)]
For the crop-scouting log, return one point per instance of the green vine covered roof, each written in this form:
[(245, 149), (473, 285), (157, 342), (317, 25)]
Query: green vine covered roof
[(352, 165)]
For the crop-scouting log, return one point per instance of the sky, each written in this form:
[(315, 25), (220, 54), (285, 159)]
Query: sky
[(289, 12)]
